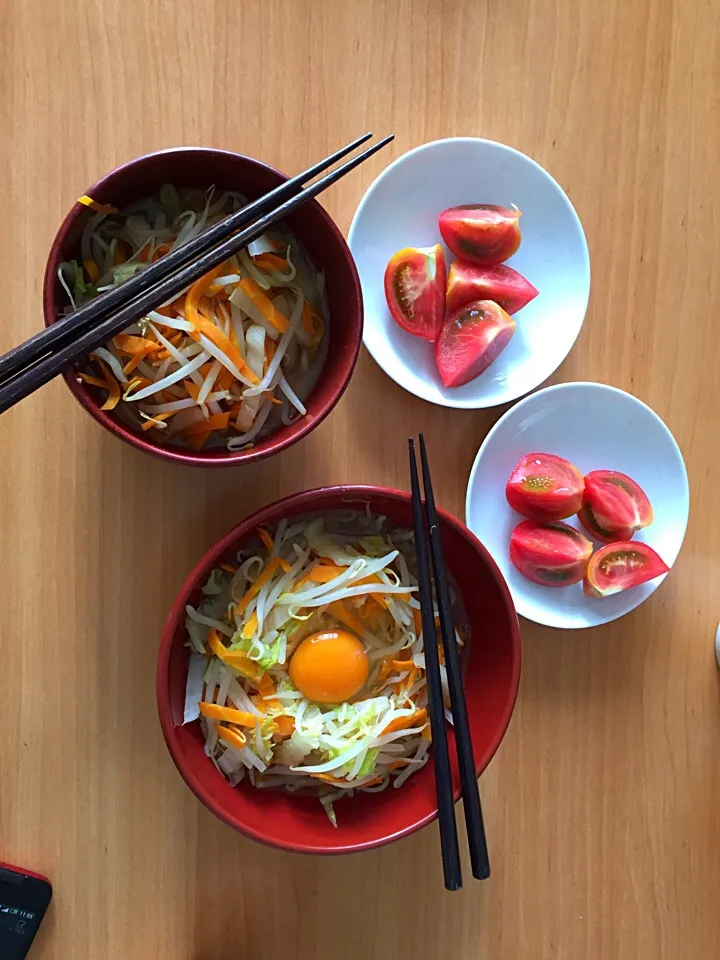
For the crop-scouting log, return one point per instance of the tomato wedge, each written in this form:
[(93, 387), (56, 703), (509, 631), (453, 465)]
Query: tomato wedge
[(482, 233), (502, 284), (415, 290), (620, 566), (544, 486), (551, 554), (605, 534), (470, 340), (617, 501)]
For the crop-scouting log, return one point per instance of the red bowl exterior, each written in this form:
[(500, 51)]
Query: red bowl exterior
[(325, 244), (290, 822)]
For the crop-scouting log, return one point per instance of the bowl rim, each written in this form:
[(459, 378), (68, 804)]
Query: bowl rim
[(453, 402), (188, 456), (270, 513), (673, 446)]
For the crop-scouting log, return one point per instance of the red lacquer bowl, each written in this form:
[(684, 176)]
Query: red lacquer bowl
[(365, 821), (201, 167)]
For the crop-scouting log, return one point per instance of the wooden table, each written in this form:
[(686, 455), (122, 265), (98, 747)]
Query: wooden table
[(603, 803)]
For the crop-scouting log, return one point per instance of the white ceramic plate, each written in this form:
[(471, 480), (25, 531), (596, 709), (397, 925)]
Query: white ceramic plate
[(597, 428), (401, 209)]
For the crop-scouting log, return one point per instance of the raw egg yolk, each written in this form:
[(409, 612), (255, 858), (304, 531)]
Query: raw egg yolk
[(330, 666)]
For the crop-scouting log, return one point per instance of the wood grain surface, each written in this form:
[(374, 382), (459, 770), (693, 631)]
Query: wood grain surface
[(603, 803)]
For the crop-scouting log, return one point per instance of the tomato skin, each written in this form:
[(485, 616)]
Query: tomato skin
[(481, 233), (544, 486), (551, 554), (415, 290), (617, 502), (620, 566), (593, 526), (502, 284), (471, 338)]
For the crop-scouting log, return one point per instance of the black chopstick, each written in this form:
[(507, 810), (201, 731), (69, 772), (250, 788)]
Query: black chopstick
[(65, 329), (477, 842), (443, 779), (44, 369)]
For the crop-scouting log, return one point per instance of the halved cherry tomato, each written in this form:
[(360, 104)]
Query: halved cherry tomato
[(415, 290), (481, 232), (544, 486), (588, 519), (620, 566), (502, 284), (615, 503), (552, 554), (470, 340)]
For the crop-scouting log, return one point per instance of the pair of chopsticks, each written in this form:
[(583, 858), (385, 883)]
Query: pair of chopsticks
[(427, 533), (28, 366)]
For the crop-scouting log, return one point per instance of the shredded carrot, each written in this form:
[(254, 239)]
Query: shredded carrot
[(120, 253), (129, 344), (385, 669), (372, 610), (266, 539), (285, 725), (397, 764), (417, 620), (266, 688), (268, 309), (196, 291), (218, 421), (111, 385), (149, 424), (270, 568), (228, 569), (311, 322), (250, 627), (133, 362), (233, 658), (160, 251), (217, 292), (340, 610), (236, 738), (91, 269), (193, 389), (269, 353), (269, 261), (137, 382), (216, 712), (222, 342), (322, 573), (198, 440), (94, 205), (417, 719), (93, 381), (406, 683), (427, 734), (224, 380), (329, 778), (402, 665), (210, 329)]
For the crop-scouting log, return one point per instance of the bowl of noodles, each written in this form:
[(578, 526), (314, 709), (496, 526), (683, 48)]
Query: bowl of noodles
[(248, 359), (291, 675)]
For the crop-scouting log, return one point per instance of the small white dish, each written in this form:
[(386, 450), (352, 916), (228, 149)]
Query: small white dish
[(401, 209), (596, 427)]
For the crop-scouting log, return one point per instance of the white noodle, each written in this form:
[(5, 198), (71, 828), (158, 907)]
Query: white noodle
[(179, 374), (282, 346), (291, 395)]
